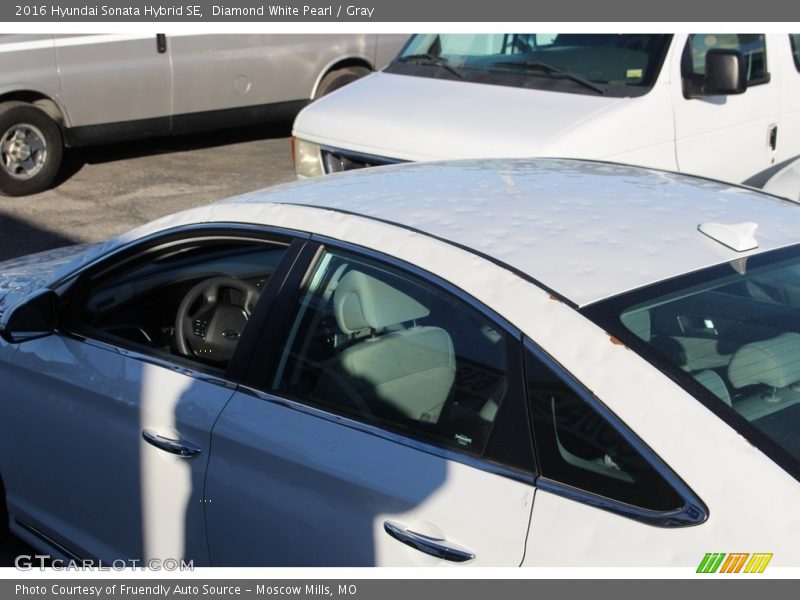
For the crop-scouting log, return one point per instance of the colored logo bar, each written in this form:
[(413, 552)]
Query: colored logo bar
[(734, 562)]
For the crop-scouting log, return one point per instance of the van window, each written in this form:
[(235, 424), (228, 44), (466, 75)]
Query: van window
[(596, 64), (794, 39), (751, 45)]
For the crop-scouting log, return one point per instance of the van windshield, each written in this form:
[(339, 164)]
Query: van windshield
[(600, 64)]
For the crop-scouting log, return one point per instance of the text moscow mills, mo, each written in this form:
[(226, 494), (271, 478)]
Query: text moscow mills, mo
[(180, 591), (158, 11)]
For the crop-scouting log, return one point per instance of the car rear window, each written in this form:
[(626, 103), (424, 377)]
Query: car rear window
[(730, 335)]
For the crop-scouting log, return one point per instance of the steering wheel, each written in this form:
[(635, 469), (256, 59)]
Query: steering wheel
[(212, 330)]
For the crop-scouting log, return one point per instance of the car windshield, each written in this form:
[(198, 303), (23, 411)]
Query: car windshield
[(730, 335), (601, 64)]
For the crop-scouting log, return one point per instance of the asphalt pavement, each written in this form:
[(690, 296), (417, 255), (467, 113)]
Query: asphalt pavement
[(106, 190)]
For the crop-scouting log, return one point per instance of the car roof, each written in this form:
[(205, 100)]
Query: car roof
[(584, 230)]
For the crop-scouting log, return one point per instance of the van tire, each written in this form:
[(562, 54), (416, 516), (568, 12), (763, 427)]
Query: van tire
[(31, 149), (339, 78)]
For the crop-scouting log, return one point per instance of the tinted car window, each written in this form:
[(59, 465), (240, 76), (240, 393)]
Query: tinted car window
[(190, 301), (794, 38), (384, 347), (577, 447), (731, 336)]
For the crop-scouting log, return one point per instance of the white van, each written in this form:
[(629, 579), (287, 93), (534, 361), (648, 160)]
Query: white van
[(724, 106), (76, 90)]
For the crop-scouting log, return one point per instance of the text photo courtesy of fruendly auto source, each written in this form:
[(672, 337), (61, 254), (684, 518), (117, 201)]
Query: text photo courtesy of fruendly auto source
[(400, 300)]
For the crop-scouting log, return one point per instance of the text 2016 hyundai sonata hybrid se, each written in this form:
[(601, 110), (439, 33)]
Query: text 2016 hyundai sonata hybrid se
[(543, 362)]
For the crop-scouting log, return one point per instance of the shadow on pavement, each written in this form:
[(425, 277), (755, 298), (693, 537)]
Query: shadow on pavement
[(75, 159), (19, 237)]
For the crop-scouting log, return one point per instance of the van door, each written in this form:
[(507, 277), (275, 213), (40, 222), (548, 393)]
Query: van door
[(116, 79), (219, 72), (730, 137)]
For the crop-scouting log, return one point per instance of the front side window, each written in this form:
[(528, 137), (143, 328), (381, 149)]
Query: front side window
[(617, 65), (579, 448), (752, 47), (191, 300), (731, 336), (387, 348)]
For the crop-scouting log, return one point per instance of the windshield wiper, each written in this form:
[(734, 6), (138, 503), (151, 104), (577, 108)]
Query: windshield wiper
[(535, 65), (430, 59)]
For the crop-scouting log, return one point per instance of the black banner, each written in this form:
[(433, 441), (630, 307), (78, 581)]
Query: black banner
[(387, 11)]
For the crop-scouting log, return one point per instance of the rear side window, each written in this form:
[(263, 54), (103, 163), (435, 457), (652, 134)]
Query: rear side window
[(751, 45), (579, 448), (794, 38)]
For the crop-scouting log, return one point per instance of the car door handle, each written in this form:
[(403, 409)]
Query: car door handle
[(429, 545), (179, 447)]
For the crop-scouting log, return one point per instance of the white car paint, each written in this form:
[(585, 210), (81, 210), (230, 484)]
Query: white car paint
[(410, 118), (597, 220), (514, 209), (786, 182), (353, 482)]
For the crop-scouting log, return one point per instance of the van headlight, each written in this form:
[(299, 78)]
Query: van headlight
[(307, 158)]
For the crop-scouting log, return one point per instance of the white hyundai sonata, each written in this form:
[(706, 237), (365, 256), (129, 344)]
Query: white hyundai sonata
[(518, 362)]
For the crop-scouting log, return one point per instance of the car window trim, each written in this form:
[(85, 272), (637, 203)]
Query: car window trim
[(693, 512), (275, 331), (201, 372), (148, 242), (477, 462), (75, 285)]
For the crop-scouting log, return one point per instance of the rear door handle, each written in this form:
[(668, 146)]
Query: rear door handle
[(179, 447), (429, 545)]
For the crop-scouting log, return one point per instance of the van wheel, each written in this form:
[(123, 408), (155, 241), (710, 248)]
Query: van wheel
[(30, 149), (339, 78)]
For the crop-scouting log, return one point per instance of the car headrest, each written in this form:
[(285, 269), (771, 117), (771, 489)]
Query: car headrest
[(774, 362), (363, 302)]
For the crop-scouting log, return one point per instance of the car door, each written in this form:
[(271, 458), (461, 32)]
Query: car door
[(731, 137), (382, 423), (114, 413)]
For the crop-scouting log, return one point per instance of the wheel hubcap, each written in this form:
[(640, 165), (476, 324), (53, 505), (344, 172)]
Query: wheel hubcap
[(24, 151)]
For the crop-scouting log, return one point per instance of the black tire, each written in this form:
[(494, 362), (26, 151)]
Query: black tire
[(30, 149), (339, 78)]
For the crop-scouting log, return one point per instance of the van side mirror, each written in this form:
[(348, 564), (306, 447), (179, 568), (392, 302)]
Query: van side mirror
[(725, 72), (725, 75), (32, 318)]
